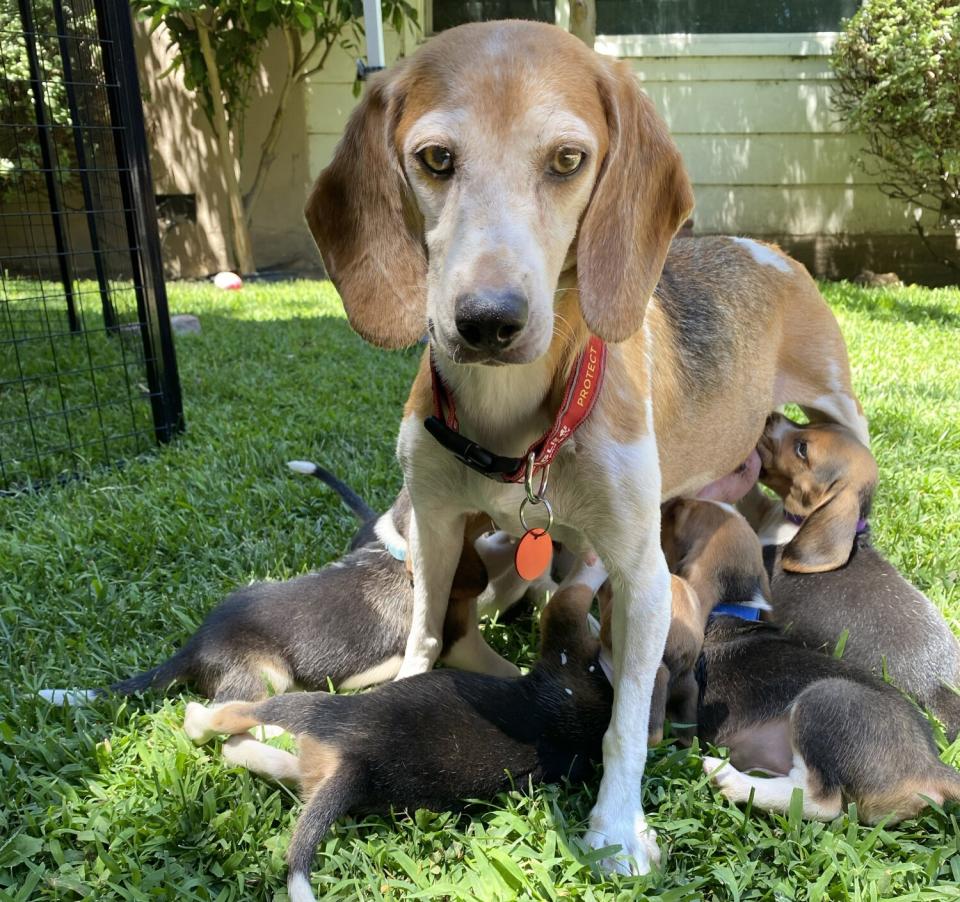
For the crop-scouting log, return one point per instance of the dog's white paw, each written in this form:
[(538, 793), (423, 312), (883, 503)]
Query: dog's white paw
[(720, 772), (638, 853), (196, 723)]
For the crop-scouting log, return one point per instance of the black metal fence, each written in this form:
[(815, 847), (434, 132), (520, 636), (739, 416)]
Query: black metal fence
[(87, 367)]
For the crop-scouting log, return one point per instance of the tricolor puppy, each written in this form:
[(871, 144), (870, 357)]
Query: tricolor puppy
[(717, 565), (434, 740), (346, 624), (812, 721), (816, 723), (826, 479), (514, 195)]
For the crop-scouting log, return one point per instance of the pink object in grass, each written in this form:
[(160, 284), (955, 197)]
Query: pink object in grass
[(229, 281)]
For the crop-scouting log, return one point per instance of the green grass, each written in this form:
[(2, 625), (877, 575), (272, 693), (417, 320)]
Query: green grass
[(102, 576), (74, 400)]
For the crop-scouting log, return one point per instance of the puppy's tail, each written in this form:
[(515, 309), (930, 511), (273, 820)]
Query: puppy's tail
[(174, 670), (331, 799), (351, 499)]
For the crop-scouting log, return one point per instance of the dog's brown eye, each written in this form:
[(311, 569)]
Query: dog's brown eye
[(801, 449), (436, 160), (566, 161)]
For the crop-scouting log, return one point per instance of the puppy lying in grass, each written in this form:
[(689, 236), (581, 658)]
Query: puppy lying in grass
[(432, 740), (830, 586), (344, 625), (814, 722)]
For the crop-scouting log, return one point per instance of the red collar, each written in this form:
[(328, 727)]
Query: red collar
[(583, 388)]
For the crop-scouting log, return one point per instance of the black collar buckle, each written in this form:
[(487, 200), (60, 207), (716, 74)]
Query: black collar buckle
[(470, 453)]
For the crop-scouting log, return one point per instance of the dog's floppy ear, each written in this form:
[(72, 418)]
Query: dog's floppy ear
[(825, 540), (364, 222), (642, 196)]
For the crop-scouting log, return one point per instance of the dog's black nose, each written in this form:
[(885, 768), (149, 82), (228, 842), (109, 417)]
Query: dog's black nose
[(490, 321)]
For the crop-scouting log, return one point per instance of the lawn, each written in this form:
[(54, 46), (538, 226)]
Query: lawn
[(108, 574)]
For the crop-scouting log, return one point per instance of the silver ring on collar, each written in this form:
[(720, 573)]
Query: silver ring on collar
[(546, 504)]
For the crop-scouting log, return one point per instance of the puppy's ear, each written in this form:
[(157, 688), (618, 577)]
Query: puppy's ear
[(825, 540), (363, 218), (642, 196)]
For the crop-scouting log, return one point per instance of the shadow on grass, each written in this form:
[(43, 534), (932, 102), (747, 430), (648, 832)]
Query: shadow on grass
[(893, 304)]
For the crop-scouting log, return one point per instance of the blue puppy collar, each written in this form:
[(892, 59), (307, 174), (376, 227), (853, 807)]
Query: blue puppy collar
[(742, 611), (397, 552)]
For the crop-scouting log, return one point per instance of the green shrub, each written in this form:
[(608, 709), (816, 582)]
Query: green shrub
[(897, 65)]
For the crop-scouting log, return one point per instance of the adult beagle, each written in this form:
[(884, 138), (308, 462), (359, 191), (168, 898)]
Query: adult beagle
[(515, 195), (826, 479), (809, 720)]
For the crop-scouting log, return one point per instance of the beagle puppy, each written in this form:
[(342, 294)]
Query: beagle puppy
[(434, 740), (816, 723), (515, 196), (345, 625), (715, 560), (810, 721), (826, 479)]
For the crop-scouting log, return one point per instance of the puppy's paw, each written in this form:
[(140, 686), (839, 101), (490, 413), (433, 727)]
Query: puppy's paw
[(638, 853), (724, 776), (196, 723), (719, 771)]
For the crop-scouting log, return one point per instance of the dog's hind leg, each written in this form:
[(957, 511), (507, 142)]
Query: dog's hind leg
[(202, 723), (814, 364), (773, 793), (262, 759), (331, 799), (252, 680)]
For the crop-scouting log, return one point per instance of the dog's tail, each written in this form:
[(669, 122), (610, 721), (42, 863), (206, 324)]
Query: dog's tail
[(360, 508), (333, 798), (175, 669)]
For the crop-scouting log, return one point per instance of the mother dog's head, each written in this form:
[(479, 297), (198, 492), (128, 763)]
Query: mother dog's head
[(473, 174)]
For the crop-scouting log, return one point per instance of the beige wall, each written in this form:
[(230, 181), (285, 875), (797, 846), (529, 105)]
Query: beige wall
[(184, 160)]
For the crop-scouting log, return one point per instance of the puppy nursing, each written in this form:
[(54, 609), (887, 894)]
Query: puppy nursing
[(514, 196), (826, 478), (345, 625), (808, 720)]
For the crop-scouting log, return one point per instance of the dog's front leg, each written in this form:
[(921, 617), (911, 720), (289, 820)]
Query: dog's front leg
[(435, 542), (640, 621)]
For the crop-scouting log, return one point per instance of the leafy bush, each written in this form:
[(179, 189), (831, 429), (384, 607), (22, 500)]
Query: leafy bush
[(21, 159), (897, 65)]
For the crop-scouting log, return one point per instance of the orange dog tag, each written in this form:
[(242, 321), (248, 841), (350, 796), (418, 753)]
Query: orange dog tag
[(533, 554)]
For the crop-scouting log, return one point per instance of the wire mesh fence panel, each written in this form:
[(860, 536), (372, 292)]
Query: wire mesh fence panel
[(87, 368)]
